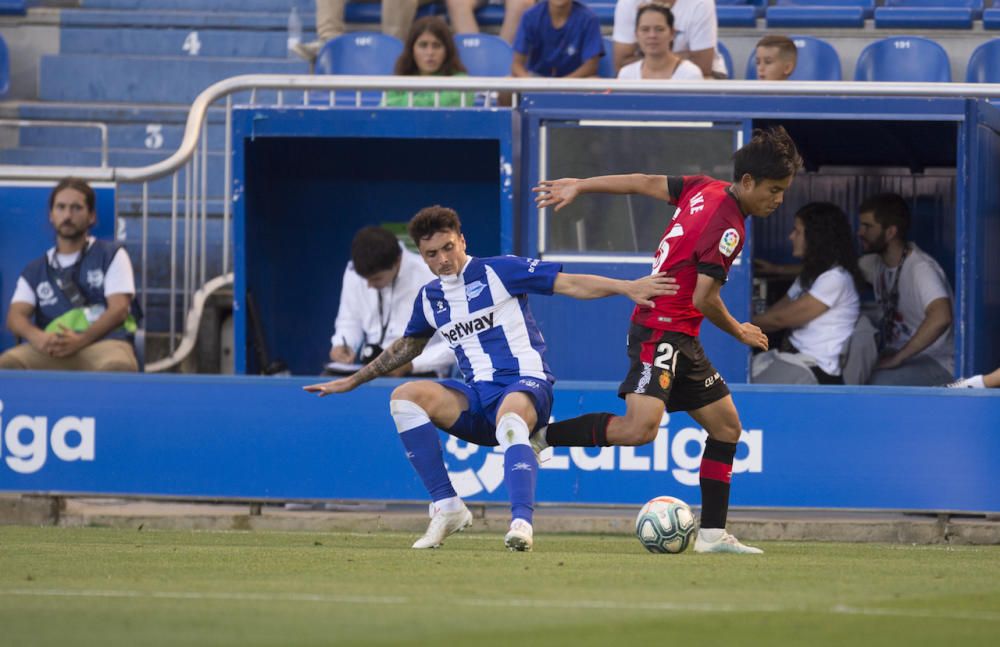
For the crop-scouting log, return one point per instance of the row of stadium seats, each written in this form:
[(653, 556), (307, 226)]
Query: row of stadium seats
[(900, 58), (895, 14)]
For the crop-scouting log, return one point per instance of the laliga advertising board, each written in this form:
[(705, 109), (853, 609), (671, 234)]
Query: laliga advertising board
[(262, 438)]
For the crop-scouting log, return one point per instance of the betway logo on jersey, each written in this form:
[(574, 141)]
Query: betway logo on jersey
[(459, 330), (474, 469), (27, 439)]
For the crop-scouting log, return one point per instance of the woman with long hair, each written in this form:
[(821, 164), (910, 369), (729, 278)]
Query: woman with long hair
[(821, 308), (654, 34), (429, 51)]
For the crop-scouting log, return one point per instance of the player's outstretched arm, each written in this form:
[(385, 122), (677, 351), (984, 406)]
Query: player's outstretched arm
[(590, 286), (399, 353), (709, 302), (560, 193)]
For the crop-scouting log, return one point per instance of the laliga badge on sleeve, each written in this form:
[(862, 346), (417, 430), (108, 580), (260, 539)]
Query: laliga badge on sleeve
[(730, 239)]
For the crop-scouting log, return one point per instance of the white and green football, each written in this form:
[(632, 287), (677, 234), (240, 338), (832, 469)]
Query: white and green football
[(665, 525)]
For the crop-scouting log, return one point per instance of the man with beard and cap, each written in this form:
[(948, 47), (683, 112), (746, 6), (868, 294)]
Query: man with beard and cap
[(915, 341), (73, 305)]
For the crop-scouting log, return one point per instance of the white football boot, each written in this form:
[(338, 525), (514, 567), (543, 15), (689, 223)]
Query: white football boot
[(443, 524), (519, 537), (725, 544), (539, 445)]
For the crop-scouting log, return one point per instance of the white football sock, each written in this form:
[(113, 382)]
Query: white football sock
[(711, 534), (451, 504)]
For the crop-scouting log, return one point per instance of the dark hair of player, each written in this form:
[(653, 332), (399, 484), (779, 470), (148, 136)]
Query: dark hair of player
[(770, 155), (889, 210), (76, 184), (829, 242), (374, 250), (406, 65), (431, 220)]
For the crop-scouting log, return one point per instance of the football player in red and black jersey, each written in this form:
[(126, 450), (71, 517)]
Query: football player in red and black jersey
[(668, 367)]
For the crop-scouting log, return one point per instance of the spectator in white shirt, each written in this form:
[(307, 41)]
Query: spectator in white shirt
[(696, 34), (654, 31), (380, 285), (822, 306), (915, 341)]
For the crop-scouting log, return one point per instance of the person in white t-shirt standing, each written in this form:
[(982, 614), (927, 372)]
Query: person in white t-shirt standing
[(380, 284), (916, 335), (820, 309), (73, 305), (696, 36), (654, 31)]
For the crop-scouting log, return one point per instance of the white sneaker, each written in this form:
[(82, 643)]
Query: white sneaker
[(519, 537), (308, 52), (726, 544), (443, 524), (538, 444), (964, 383)]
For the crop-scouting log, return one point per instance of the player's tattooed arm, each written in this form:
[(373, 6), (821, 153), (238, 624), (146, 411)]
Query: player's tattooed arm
[(399, 353)]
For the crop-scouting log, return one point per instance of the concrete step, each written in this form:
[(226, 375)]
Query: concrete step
[(278, 6), (92, 157), (152, 136), (132, 79)]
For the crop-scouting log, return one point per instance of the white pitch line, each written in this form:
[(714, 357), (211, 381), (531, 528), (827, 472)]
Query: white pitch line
[(600, 605)]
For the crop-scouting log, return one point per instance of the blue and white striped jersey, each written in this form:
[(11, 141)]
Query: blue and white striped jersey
[(484, 316)]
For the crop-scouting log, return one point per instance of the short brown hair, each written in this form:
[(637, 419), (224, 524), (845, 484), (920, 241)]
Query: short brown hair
[(76, 184), (431, 220), (785, 46), (374, 250)]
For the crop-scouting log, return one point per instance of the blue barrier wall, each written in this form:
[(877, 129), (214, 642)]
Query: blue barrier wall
[(25, 233), (264, 438)]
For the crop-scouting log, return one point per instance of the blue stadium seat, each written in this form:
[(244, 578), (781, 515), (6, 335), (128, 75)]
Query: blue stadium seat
[(484, 54), (371, 12), (606, 66), (820, 13), (13, 7), (491, 14), (984, 64), (927, 14), (817, 61), (991, 18), (4, 68), (903, 58), (361, 53), (736, 15), (727, 58)]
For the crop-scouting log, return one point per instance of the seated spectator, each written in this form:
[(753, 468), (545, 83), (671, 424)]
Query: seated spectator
[(397, 16), (776, 58), (429, 51), (654, 31), (822, 306), (73, 304), (990, 381), (380, 285), (915, 340), (461, 14), (558, 38), (696, 34)]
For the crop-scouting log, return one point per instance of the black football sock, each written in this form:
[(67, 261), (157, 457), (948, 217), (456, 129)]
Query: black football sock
[(590, 430), (714, 477)]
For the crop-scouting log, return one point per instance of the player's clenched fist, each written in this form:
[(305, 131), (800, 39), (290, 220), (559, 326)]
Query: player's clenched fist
[(556, 193), (752, 336)]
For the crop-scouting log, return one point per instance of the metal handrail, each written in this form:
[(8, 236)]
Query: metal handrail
[(49, 123), (305, 83)]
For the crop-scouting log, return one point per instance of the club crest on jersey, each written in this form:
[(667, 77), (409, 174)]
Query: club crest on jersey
[(473, 290), (730, 239)]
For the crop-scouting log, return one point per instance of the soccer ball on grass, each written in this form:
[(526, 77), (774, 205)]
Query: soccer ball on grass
[(665, 525)]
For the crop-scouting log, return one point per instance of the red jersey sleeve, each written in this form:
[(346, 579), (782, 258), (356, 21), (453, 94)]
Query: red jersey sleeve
[(718, 246), (680, 187)]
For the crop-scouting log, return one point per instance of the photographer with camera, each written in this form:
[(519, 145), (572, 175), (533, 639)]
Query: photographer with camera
[(376, 298)]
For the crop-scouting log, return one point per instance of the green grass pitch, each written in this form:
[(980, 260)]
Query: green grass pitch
[(96, 586)]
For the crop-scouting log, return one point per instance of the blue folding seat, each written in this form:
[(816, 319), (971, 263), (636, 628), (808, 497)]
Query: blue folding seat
[(903, 58), (928, 14), (738, 13), (820, 13), (371, 12), (984, 64), (484, 54), (4, 68), (991, 17), (817, 61), (361, 53), (727, 58), (13, 7)]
